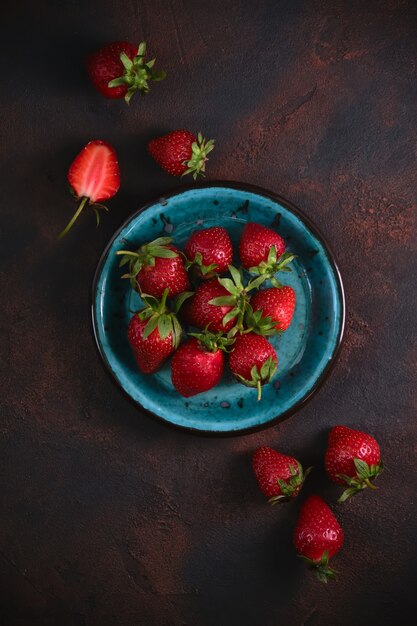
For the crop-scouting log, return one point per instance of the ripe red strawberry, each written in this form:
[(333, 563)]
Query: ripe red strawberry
[(199, 311), (156, 266), (277, 304), (210, 249), (94, 176), (118, 70), (280, 477), (180, 152), (198, 364), (220, 304), (153, 333), (253, 361), (352, 458), (318, 536), (262, 251)]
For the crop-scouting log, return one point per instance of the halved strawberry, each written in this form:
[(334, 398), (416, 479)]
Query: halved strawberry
[(94, 176)]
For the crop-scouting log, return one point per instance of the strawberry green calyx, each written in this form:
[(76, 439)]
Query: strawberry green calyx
[(160, 317), (213, 341), (291, 487), (365, 475), (260, 377), (238, 298), (255, 322), (267, 269), (137, 73), (323, 570), (205, 270), (180, 299), (145, 255), (200, 149)]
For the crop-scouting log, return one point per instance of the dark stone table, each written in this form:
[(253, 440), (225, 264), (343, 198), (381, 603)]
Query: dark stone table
[(108, 517)]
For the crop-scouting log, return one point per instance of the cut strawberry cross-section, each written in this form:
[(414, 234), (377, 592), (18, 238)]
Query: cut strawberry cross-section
[(94, 176)]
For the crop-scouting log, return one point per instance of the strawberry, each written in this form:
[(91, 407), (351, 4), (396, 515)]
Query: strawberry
[(118, 70), (210, 250), (180, 152), (318, 536), (253, 361), (352, 458), (200, 312), (154, 333), (280, 477), (198, 364), (262, 252), (94, 176), (276, 306), (154, 267)]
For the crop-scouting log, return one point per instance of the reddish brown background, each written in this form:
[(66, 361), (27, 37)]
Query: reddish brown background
[(107, 517)]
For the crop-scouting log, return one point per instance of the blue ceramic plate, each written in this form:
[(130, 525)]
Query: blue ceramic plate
[(305, 351)]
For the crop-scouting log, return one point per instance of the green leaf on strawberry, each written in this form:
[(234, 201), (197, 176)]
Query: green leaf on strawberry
[(366, 474), (137, 74), (166, 263), (267, 269), (161, 318), (259, 376), (322, 568)]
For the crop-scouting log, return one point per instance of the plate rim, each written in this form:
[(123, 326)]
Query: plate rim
[(316, 231)]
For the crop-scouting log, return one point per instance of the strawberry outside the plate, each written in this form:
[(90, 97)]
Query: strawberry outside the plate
[(279, 476), (181, 152), (352, 459), (318, 536), (94, 177), (118, 70)]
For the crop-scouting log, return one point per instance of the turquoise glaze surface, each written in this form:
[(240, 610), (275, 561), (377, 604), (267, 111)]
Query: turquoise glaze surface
[(305, 350)]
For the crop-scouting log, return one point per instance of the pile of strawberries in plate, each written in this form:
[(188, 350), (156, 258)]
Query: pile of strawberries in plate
[(225, 313)]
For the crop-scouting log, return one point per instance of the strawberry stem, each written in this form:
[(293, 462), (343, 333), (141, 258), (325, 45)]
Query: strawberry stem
[(162, 304), (369, 484), (74, 217), (259, 388)]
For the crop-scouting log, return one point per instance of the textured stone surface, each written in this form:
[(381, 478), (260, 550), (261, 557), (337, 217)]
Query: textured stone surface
[(108, 517)]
